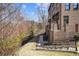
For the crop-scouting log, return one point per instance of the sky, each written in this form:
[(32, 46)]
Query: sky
[(28, 10)]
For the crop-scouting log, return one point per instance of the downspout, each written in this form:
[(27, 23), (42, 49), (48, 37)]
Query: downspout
[(60, 16)]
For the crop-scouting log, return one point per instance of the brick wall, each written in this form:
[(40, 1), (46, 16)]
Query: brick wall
[(70, 27)]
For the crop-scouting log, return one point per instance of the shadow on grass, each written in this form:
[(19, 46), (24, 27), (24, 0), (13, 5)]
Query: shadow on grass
[(25, 40), (32, 38)]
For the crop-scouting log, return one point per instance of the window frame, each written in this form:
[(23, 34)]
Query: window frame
[(75, 6), (67, 6), (67, 19)]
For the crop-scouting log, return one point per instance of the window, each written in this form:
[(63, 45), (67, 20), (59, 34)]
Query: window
[(76, 27), (67, 6), (66, 19), (75, 6)]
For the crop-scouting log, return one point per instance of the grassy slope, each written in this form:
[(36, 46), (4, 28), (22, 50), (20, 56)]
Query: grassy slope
[(28, 50)]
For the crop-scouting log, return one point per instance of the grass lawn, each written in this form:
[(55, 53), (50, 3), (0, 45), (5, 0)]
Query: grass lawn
[(28, 50)]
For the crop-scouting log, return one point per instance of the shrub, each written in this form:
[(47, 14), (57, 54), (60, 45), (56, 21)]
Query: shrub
[(10, 45), (76, 38)]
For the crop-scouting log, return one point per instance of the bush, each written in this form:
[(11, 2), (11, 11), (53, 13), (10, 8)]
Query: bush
[(10, 45), (76, 38)]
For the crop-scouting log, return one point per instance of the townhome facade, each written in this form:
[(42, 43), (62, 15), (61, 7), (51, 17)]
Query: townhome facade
[(63, 22)]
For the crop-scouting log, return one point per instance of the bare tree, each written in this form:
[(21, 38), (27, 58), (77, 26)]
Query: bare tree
[(10, 19), (42, 17)]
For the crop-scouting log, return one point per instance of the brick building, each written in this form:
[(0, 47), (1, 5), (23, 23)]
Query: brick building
[(63, 22)]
